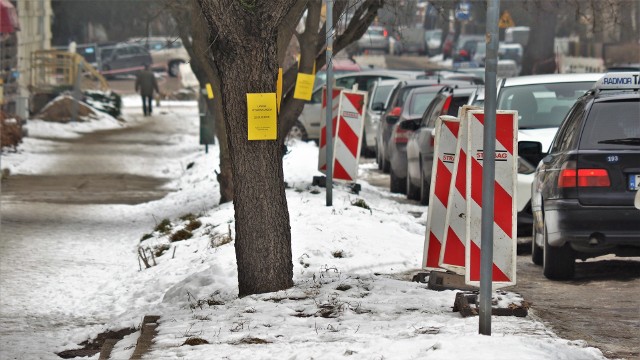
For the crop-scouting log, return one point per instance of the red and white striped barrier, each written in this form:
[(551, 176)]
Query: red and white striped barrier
[(349, 139), (452, 254), (322, 155), (505, 221), (446, 137)]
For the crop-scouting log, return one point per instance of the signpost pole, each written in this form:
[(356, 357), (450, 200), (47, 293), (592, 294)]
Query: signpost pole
[(488, 168), (329, 111)]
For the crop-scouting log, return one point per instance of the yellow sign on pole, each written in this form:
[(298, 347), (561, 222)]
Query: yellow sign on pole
[(262, 117), (209, 91), (279, 89), (304, 86), (506, 21)]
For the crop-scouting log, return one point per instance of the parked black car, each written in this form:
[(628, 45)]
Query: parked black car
[(583, 190)]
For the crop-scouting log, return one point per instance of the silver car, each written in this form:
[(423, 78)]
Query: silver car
[(310, 121), (379, 96), (376, 38), (542, 102)]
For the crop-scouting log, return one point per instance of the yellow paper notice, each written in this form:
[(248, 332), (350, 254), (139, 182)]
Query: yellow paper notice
[(262, 116), (304, 86), (279, 89), (209, 91)]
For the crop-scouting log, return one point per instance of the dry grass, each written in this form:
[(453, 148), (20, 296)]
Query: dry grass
[(193, 341), (164, 227), (180, 235)]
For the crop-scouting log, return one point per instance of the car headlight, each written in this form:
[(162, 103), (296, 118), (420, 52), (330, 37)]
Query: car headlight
[(525, 167)]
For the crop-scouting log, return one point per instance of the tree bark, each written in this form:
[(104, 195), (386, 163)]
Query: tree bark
[(192, 29), (245, 56)]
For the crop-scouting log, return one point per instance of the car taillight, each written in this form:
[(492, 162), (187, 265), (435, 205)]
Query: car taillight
[(385, 33), (583, 178), (401, 136), (396, 111), (447, 104)]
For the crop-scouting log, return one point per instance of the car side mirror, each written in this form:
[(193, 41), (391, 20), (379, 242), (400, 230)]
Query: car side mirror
[(377, 106), (410, 125), (393, 116), (392, 119), (531, 151)]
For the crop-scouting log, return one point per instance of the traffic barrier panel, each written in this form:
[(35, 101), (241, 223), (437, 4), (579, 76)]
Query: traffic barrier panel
[(505, 221), (322, 154), (446, 137), (452, 254), (349, 139)]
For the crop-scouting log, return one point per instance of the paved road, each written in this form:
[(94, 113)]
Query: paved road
[(600, 306)]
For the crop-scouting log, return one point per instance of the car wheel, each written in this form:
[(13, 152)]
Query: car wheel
[(397, 185), (297, 132), (536, 251), (413, 192), (425, 189), (558, 262), (378, 156), (174, 68), (364, 150), (386, 164)]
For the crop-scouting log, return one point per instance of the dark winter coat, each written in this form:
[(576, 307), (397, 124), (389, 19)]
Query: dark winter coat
[(146, 83)]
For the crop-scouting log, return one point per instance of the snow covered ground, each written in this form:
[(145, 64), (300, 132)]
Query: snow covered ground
[(351, 298)]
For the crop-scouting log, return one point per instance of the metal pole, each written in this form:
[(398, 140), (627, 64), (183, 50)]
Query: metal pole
[(329, 111), (488, 168)]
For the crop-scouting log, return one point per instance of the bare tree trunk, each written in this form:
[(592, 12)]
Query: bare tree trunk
[(246, 60), (539, 55), (193, 31)]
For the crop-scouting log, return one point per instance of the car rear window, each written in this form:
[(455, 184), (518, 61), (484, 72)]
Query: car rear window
[(382, 93), (420, 101), (542, 105), (612, 125)]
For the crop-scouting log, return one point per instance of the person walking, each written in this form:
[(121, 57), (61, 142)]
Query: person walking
[(145, 84)]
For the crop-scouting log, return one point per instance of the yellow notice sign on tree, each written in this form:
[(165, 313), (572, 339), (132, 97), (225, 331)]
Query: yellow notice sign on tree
[(279, 89), (209, 91), (304, 86), (262, 116)]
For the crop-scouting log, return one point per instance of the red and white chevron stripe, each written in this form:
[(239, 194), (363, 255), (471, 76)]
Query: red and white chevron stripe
[(504, 233), (446, 138), (322, 154), (348, 141), (452, 255)]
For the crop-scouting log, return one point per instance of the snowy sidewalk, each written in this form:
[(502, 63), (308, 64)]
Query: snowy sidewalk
[(350, 297)]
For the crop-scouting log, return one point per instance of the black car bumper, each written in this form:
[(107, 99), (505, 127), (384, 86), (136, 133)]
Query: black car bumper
[(594, 229)]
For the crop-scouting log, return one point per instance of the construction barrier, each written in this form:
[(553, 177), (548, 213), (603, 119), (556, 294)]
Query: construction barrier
[(453, 242), (349, 140), (348, 124), (322, 154), (457, 177), (446, 137), (505, 213)]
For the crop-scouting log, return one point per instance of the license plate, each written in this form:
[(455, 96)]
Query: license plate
[(634, 182)]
